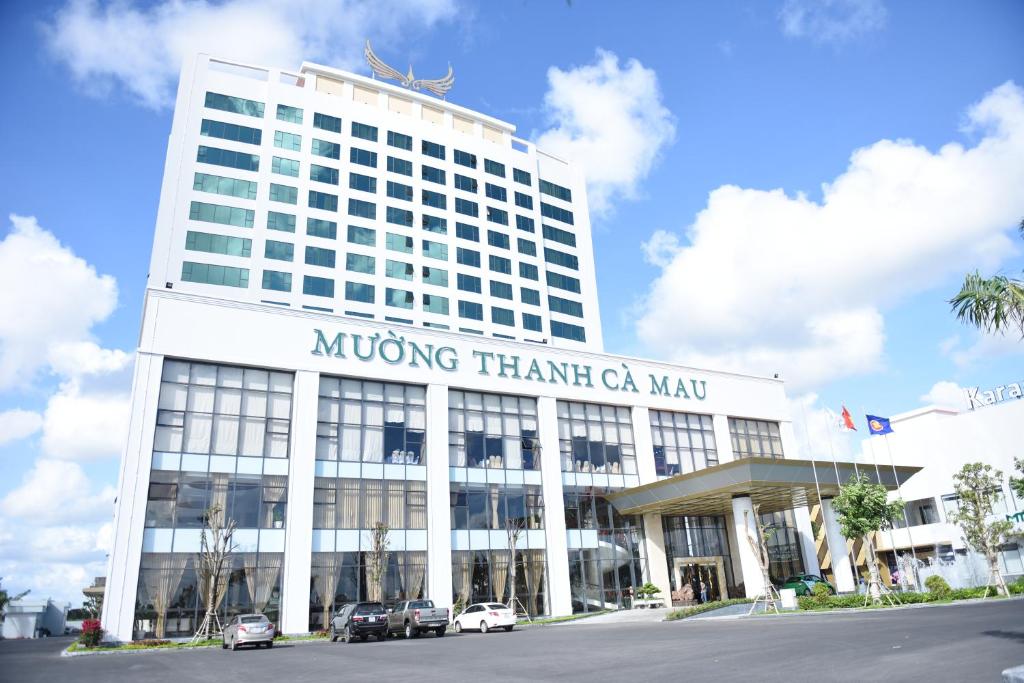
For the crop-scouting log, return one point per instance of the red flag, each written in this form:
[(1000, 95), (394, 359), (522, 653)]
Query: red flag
[(848, 419)]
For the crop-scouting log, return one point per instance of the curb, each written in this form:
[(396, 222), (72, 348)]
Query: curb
[(863, 610), (147, 650)]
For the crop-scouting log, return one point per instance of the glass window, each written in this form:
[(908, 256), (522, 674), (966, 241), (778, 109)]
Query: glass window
[(755, 438), (218, 244), (208, 274), (230, 187), (502, 290), (467, 232), (279, 251), (467, 257), (432, 149), (435, 276), (493, 431), (595, 438), (289, 114), (435, 224), (317, 227), (495, 192), (224, 215), (432, 303), (357, 291), (532, 322), (399, 191), (284, 194), (469, 283), (216, 156), (371, 422), (529, 296), (324, 174), (683, 442), (402, 243), (466, 207), (524, 223), (526, 247), (434, 199), (558, 214), (362, 157), (503, 316), (494, 168), (556, 191), (500, 264), (326, 201), (560, 258), (282, 166), (357, 207), (567, 331), (364, 132), (284, 222), (497, 239), (497, 216), (559, 281), (559, 235), (465, 183), (281, 282), (399, 140), (399, 270), (363, 183), (437, 250), (318, 256), (317, 286), (528, 271), (221, 409), (433, 175), (235, 105), (471, 310), (289, 141), (328, 123), (360, 263), (465, 159), (399, 216), (365, 236), (521, 177), (323, 148), (565, 306), (231, 131), (400, 166), (398, 298)]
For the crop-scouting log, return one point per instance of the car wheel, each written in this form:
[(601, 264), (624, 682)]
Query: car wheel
[(409, 632), (234, 645), (333, 634), (440, 632), (346, 637), (224, 645), (270, 644), (362, 639), (458, 627), (483, 627), (509, 628)]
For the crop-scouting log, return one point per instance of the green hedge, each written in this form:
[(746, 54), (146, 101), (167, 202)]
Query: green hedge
[(850, 601), (705, 607)]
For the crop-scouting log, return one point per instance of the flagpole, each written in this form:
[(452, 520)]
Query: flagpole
[(906, 519), (892, 539), (817, 487)]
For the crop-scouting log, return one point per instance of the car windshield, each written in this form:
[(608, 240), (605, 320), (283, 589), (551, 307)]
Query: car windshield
[(370, 608), (421, 604), (793, 579), (257, 619), (495, 605)]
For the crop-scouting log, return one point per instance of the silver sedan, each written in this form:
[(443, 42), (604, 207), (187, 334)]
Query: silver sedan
[(248, 629)]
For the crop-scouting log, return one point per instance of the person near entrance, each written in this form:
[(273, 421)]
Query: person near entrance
[(703, 591)]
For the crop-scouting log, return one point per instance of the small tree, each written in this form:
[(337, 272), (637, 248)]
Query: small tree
[(216, 545), (1018, 484), (759, 544), (514, 528), (864, 508), (377, 565), (977, 487)]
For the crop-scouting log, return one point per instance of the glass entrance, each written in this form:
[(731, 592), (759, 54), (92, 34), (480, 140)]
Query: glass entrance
[(699, 580)]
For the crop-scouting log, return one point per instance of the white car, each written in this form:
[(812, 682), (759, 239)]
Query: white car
[(484, 616)]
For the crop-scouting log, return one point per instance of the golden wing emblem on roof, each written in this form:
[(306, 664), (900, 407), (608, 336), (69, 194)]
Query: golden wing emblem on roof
[(439, 86)]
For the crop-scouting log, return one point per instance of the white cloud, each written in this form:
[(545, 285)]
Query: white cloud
[(59, 298), (947, 395), (832, 21), (772, 282), (817, 431), (141, 48), (17, 424), (82, 425), (54, 491), (982, 347), (609, 118), (76, 359)]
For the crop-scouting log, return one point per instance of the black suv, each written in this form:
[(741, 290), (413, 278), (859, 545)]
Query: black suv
[(359, 620)]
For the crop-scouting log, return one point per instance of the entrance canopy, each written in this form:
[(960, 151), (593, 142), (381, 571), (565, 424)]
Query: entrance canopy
[(775, 485)]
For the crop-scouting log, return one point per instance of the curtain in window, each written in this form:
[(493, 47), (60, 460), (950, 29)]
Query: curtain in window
[(261, 577), (499, 573), (396, 504), (325, 507), (495, 499), (161, 582), (373, 503), (253, 433), (348, 500), (535, 575), (325, 582), (275, 494), (219, 495), (417, 514), (413, 570), (373, 447), (225, 434), (350, 447), (462, 570), (197, 432)]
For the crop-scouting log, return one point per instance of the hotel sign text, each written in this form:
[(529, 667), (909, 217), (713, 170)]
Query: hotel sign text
[(394, 349), (980, 399)]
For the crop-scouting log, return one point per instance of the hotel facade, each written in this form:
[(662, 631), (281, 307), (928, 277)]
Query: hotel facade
[(367, 305)]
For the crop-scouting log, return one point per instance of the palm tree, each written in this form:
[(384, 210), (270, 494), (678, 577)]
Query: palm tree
[(992, 304)]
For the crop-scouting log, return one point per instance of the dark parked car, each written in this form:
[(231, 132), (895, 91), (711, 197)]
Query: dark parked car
[(803, 584), (359, 620)]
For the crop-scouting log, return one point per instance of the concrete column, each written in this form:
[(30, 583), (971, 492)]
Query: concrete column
[(722, 439), (130, 507), (751, 568), (657, 564), (439, 524), (807, 542), (298, 539), (559, 592), (841, 566), (644, 445)]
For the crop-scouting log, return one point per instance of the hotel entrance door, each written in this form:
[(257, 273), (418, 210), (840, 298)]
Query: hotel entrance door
[(705, 577)]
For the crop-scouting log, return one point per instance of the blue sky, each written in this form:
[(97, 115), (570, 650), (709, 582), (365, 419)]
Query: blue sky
[(663, 103)]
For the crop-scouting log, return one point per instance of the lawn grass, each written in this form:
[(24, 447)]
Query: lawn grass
[(174, 645), (705, 607)]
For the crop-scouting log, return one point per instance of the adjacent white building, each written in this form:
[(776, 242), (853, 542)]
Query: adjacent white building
[(367, 305)]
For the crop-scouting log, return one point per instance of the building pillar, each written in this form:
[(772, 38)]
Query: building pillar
[(130, 508), (657, 564), (808, 544), (298, 540), (644, 444), (439, 524), (837, 547), (723, 441), (559, 590), (751, 568)]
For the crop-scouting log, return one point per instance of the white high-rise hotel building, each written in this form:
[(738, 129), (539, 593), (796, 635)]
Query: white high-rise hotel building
[(365, 305)]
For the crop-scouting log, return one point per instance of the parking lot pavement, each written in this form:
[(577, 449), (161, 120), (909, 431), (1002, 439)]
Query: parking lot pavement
[(960, 643)]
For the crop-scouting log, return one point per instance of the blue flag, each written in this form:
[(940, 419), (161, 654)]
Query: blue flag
[(878, 425)]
